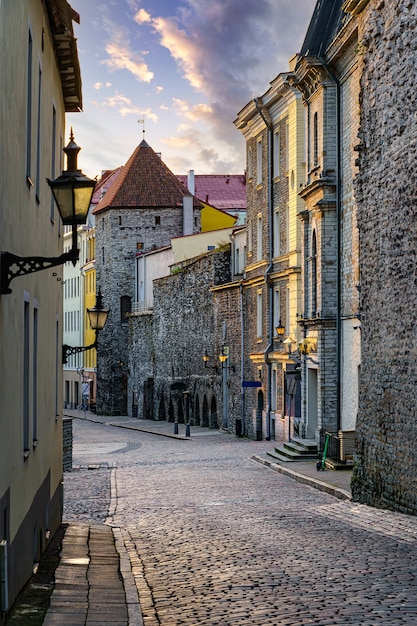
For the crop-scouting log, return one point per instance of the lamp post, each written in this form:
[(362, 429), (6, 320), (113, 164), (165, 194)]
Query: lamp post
[(224, 360), (98, 318), (72, 191)]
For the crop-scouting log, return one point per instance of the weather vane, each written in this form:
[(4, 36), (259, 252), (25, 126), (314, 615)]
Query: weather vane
[(143, 129)]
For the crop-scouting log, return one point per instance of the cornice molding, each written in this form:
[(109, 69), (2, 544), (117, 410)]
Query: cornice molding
[(354, 6)]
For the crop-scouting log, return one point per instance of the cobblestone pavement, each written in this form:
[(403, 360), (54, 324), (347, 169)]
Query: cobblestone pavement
[(216, 539)]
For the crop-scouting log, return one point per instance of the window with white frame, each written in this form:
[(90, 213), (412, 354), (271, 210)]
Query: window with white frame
[(259, 161), (315, 139), (287, 147), (250, 239), (259, 314), (276, 153), (259, 247), (277, 306), (277, 233), (250, 164)]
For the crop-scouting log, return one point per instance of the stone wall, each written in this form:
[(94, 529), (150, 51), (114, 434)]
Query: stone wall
[(385, 473), (121, 233), (196, 312), (67, 440)]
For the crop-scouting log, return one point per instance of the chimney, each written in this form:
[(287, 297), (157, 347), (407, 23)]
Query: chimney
[(187, 215), (191, 182)]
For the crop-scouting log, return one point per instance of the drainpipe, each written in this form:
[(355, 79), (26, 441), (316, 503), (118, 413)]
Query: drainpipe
[(338, 245), (242, 361), (268, 124)]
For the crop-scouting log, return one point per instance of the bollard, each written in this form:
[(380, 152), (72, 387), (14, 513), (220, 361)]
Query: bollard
[(187, 430), (176, 428)]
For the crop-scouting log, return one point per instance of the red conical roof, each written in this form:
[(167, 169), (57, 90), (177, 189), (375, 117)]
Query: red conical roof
[(145, 181)]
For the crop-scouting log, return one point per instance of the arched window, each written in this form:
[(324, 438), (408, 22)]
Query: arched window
[(314, 275), (125, 308)]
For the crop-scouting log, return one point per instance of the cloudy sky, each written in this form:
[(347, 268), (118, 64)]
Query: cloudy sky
[(185, 67)]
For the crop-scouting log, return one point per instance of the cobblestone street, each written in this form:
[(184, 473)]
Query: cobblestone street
[(216, 539)]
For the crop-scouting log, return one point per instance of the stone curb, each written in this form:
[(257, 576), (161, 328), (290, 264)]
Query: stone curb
[(342, 494), (142, 430)]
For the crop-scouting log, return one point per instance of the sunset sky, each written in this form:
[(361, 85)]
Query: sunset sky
[(185, 67)]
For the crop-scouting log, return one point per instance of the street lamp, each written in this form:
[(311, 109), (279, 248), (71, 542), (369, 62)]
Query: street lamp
[(280, 330), (206, 358), (72, 191), (98, 318)]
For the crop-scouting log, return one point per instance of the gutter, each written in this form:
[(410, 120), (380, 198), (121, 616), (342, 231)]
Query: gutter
[(268, 124)]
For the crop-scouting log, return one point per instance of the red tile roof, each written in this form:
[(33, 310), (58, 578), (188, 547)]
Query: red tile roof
[(222, 191), (145, 181), (103, 185)]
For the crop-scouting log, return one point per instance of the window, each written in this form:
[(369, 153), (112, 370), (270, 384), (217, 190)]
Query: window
[(276, 153), (277, 233), (259, 250), (26, 382), (125, 308), (315, 140), (249, 164), (157, 220), (287, 147), (259, 314), (38, 137), (237, 261), (53, 153), (277, 307), (250, 241), (29, 111), (259, 162), (35, 376), (314, 275)]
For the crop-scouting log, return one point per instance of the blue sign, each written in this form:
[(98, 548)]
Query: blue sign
[(251, 383)]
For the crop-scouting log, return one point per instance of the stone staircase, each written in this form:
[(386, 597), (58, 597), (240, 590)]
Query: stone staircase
[(295, 450)]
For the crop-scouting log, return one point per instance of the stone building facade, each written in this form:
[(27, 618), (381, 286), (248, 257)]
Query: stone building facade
[(273, 128), (385, 470), (143, 209), (327, 75)]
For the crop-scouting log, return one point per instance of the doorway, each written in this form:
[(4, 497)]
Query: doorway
[(312, 408)]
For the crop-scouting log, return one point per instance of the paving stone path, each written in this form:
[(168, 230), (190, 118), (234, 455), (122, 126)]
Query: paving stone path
[(216, 539)]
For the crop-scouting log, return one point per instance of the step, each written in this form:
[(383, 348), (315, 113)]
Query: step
[(302, 445), (295, 450)]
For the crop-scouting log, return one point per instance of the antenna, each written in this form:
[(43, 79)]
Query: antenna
[(143, 129)]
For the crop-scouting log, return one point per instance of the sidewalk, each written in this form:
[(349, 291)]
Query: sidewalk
[(94, 580)]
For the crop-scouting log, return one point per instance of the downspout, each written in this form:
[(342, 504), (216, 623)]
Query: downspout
[(338, 246), (242, 362), (268, 124)]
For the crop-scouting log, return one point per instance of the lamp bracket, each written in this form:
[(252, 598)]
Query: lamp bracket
[(13, 266), (71, 350)]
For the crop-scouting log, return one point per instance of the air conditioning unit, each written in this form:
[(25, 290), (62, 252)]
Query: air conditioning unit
[(4, 581)]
